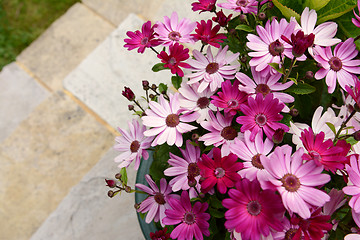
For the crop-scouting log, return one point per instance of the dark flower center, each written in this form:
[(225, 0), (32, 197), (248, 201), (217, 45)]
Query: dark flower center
[(212, 68), (315, 156), (290, 234), (172, 61), (159, 198), (290, 182), (203, 102), (175, 36), (172, 120), (144, 41), (189, 218), (260, 119), (254, 208), (242, 3), (193, 170), (134, 146), (335, 64), (219, 172), (255, 161), (263, 89), (276, 48), (233, 103), (229, 133)]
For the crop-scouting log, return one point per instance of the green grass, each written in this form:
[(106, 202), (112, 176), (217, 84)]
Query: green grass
[(22, 21)]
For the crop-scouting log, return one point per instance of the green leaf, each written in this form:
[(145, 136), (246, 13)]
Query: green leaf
[(301, 89), (163, 88), (124, 177), (158, 67), (176, 81), (347, 28), (244, 27), (332, 127), (215, 203), (335, 9), (294, 80), (351, 140), (286, 11), (316, 4), (215, 213), (276, 67)]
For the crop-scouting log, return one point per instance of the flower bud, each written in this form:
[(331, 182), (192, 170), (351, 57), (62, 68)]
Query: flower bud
[(153, 87), (356, 135), (195, 137), (145, 83), (270, 5), (192, 182), (262, 16), (294, 112), (131, 107), (151, 96), (221, 18), (118, 175), (242, 18), (309, 75), (111, 194), (110, 183), (129, 94), (137, 206), (128, 189), (278, 135), (243, 59)]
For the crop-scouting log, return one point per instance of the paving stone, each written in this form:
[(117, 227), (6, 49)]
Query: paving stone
[(88, 213), (117, 10), (99, 80), (42, 159), (65, 44), (19, 95)]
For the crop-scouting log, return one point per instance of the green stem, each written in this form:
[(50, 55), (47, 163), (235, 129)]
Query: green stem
[(157, 53), (293, 61), (136, 102), (343, 125)]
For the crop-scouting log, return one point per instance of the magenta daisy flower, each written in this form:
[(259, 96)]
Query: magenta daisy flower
[(172, 31), (339, 66), (265, 85), (211, 71), (322, 153), (230, 98), (253, 212), (158, 200), (185, 168), (244, 6), (261, 114), (354, 93), (191, 100), (143, 39), (175, 58), (356, 20), (192, 220), (220, 171), (132, 144), (353, 171), (166, 121), (250, 152), (204, 5), (221, 131), (268, 46), (295, 180), (208, 35)]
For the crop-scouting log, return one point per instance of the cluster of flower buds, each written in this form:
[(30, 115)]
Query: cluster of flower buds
[(114, 185)]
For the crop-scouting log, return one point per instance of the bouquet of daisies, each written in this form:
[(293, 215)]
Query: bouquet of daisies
[(257, 135)]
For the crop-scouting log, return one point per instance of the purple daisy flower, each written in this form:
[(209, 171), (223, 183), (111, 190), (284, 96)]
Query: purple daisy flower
[(245, 6), (211, 71), (177, 54), (132, 144), (158, 200), (166, 121), (172, 31), (353, 171), (144, 39), (339, 66)]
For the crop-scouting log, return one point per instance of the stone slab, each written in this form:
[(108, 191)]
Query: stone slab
[(88, 213), (46, 155), (99, 80), (19, 95), (65, 44)]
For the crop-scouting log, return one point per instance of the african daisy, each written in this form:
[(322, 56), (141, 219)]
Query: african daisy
[(177, 54), (207, 34), (144, 39), (353, 171), (244, 6)]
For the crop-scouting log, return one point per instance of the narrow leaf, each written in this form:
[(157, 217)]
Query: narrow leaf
[(276, 67), (332, 127), (287, 12), (124, 177), (158, 67), (244, 27)]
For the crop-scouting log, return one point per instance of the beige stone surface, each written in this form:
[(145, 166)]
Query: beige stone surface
[(65, 44), (117, 10), (42, 159)]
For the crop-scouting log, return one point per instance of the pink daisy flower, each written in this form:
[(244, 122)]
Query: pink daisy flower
[(253, 212), (220, 171), (322, 153), (141, 40), (265, 85), (204, 5), (245, 6), (221, 131), (158, 200), (211, 71), (356, 20), (268, 46), (185, 168), (192, 220), (208, 35), (353, 171), (295, 180), (230, 98), (172, 31), (175, 58), (250, 152), (166, 121), (132, 144), (261, 115), (339, 66), (354, 93), (191, 100)]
